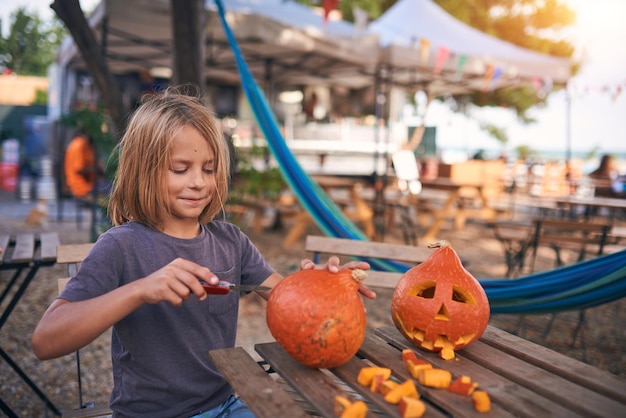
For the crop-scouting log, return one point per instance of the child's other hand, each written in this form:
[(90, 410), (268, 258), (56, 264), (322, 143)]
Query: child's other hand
[(333, 266), (175, 282)]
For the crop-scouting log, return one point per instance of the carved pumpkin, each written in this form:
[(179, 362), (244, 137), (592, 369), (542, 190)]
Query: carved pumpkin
[(438, 304), (318, 317)]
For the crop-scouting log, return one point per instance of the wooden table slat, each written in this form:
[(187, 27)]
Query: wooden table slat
[(24, 248), (49, 243), (583, 374), (379, 352), (543, 382), (4, 245), (72, 253), (317, 387), (244, 374), (349, 372), (494, 368)]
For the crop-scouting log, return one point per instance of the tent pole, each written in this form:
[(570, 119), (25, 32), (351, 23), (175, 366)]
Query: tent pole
[(568, 125)]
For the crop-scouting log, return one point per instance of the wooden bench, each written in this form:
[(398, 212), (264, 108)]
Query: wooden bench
[(73, 255), (409, 254)]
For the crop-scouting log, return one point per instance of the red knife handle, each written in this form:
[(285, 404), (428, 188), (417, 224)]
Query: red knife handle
[(212, 289)]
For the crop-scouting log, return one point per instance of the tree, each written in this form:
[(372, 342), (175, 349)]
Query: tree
[(30, 46), (70, 13), (187, 21)]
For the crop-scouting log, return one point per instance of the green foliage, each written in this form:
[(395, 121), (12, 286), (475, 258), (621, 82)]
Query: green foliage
[(41, 97), (496, 132), (31, 44), (252, 183)]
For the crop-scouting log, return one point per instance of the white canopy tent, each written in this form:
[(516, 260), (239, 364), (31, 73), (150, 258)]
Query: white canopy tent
[(424, 45), (137, 34), (284, 43)]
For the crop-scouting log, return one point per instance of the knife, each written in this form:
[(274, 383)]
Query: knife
[(224, 287)]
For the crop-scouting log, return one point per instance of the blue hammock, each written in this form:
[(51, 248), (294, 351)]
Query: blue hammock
[(578, 286)]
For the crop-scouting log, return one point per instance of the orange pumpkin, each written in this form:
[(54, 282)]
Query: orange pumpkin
[(438, 304), (318, 317)]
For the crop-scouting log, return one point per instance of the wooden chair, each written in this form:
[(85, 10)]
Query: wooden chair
[(584, 239), (73, 255), (319, 245)]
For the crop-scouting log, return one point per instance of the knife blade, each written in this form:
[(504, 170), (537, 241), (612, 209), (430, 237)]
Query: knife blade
[(224, 287)]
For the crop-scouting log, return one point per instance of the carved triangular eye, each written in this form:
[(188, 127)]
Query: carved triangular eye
[(425, 290), (463, 296), (443, 313)]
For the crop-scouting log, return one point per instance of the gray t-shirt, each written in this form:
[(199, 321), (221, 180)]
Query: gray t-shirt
[(161, 366)]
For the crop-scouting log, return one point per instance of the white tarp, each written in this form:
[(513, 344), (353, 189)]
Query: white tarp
[(283, 40), (403, 27)]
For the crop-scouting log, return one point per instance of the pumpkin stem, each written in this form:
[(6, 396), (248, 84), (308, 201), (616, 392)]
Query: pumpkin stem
[(359, 275), (439, 244)]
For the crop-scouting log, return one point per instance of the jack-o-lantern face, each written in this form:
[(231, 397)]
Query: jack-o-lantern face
[(438, 304)]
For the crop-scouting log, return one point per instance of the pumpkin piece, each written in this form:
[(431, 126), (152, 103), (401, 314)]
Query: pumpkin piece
[(341, 404), (481, 401), (435, 378), (462, 386), (438, 304), (447, 353), (406, 388), (415, 367), (318, 317), (366, 374), (411, 407), (408, 354), (388, 386), (357, 409), (377, 382)]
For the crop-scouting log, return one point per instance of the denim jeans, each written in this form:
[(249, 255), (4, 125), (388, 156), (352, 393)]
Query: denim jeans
[(232, 408)]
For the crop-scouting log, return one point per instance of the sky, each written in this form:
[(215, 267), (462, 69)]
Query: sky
[(598, 110)]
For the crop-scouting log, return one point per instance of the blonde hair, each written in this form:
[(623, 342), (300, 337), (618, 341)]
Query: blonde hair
[(140, 187)]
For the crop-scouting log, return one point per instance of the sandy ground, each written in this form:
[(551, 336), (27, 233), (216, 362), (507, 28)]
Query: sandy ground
[(602, 343)]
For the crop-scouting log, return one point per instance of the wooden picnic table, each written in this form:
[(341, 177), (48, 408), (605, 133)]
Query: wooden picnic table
[(462, 201), (345, 192), (522, 379), (22, 255)]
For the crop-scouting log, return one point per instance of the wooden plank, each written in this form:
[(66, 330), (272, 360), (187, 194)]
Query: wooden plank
[(258, 390), (359, 248), (506, 395), (4, 246), (24, 248), (581, 373), (49, 242), (349, 373), (72, 253), (379, 352), (101, 411), (577, 398), (317, 387)]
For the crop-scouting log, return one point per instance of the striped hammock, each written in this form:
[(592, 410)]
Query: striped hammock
[(578, 286)]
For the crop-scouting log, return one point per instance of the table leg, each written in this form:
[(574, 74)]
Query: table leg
[(5, 316), (440, 217)]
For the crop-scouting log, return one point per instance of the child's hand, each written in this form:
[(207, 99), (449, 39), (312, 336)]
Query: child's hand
[(175, 282), (333, 266)]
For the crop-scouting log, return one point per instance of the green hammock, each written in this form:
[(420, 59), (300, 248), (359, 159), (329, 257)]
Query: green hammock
[(582, 285)]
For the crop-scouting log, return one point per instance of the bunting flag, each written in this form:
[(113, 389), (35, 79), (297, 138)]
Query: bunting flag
[(424, 51), (442, 56), (460, 64), (497, 73), (329, 6), (489, 72)]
